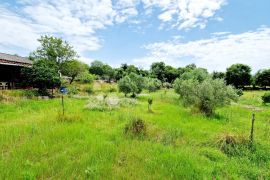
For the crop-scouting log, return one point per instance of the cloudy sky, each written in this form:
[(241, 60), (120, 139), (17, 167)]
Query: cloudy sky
[(210, 33)]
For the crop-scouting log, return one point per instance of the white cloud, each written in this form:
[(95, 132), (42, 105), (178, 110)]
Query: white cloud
[(186, 14), (79, 21), (216, 53)]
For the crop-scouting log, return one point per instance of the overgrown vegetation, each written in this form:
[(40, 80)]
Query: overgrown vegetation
[(112, 143)]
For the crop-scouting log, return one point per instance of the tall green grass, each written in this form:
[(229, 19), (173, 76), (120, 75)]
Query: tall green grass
[(179, 143)]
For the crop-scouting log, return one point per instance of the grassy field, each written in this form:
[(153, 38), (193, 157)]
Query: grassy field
[(179, 143)]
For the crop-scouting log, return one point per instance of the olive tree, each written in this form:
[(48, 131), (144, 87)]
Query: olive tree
[(204, 94), (131, 83)]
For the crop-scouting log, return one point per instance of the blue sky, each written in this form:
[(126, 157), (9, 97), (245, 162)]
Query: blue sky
[(211, 33)]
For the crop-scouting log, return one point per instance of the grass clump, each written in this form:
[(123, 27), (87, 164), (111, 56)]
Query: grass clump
[(232, 145), (136, 128), (67, 118), (171, 137)]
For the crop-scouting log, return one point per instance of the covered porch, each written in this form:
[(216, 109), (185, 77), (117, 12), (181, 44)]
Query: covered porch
[(9, 77), (10, 70)]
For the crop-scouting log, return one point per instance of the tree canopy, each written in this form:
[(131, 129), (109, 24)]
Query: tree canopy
[(54, 49), (198, 89), (73, 68), (262, 78), (238, 75)]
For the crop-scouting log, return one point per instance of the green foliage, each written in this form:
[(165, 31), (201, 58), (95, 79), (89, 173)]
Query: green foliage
[(171, 73), (96, 68), (199, 90), (158, 70), (42, 75), (73, 68), (131, 83), (89, 89), (262, 78), (53, 49), (86, 78), (266, 98), (30, 93), (152, 84), (238, 75), (239, 92), (218, 75), (167, 85), (72, 90), (102, 70)]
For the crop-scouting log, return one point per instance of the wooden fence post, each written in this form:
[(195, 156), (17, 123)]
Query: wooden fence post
[(252, 130)]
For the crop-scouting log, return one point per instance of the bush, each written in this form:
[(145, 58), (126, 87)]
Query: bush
[(239, 92), (85, 77), (167, 85), (266, 98), (152, 84), (205, 95), (30, 93), (136, 128), (73, 90)]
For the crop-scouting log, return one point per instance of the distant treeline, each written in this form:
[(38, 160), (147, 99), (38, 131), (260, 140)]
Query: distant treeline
[(238, 75)]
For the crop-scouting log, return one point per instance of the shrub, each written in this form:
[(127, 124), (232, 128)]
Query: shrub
[(152, 84), (86, 77), (73, 90), (30, 93), (167, 85), (136, 128), (239, 92), (205, 94), (266, 98)]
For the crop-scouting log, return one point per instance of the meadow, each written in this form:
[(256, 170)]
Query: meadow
[(37, 142)]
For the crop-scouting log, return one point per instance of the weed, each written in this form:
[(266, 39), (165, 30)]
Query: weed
[(136, 128)]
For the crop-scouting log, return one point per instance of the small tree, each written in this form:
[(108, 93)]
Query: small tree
[(152, 84), (150, 102), (131, 83), (206, 95), (72, 69), (42, 75), (85, 77)]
